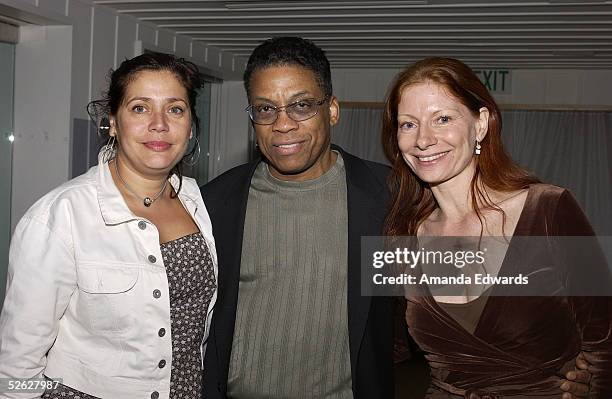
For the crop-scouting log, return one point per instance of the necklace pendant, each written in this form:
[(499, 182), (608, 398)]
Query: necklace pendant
[(147, 202)]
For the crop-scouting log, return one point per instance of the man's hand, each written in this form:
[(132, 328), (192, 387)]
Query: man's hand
[(577, 381)]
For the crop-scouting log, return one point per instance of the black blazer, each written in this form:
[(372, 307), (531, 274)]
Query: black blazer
[(370, 319)]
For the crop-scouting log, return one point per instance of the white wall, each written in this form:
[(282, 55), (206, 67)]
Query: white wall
[(62, 62), (42, 114), (229, 128), (580, 88)]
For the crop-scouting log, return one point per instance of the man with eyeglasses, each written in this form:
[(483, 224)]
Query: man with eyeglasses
[(290, 321)]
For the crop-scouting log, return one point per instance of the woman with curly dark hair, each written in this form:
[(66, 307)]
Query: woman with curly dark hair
[(113, 275)]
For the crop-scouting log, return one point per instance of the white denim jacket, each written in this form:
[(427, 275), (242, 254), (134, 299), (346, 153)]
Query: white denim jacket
[(87, 292)]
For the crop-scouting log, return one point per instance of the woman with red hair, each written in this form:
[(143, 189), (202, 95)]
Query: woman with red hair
[(452, 177)]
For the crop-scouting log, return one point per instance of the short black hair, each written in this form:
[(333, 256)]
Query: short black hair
[(288, 50)]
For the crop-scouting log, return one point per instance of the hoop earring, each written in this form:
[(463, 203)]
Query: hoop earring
[(109, 150), (478, 147), (193, 159)]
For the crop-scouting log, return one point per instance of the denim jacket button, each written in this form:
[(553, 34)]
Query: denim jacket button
[(142, 225), (156, 294), (152, 259)]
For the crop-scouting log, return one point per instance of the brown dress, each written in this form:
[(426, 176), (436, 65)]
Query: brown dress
[(519, 347)]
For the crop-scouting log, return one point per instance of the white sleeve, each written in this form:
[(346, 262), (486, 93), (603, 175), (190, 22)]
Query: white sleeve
[(41, 280)]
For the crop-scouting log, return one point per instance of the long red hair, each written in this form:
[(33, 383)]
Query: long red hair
[(412, 199)]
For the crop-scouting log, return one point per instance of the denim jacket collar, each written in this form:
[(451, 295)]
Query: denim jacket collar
[(113, 208)]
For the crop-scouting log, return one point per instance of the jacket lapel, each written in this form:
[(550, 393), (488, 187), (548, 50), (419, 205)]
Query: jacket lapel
[(228, 229), (366, 210)]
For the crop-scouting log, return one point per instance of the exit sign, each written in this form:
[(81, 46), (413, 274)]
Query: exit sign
[(496, 80)]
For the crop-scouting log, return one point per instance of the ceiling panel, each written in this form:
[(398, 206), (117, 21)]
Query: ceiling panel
[(377, 34)]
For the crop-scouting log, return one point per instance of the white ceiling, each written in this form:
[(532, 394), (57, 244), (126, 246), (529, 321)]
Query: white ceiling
[(393, 33)]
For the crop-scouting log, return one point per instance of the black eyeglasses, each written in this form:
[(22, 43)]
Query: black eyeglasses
[(266, 114)]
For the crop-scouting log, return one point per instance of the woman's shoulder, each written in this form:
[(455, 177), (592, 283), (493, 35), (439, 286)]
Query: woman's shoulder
[(549, 195), (548, 189), (558, 209), (75, 189)]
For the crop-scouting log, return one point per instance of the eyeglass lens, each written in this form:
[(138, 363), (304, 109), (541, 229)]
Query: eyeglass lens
[(298, 111)]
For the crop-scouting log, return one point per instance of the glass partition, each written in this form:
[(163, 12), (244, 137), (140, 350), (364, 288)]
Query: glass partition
[(7, 72)]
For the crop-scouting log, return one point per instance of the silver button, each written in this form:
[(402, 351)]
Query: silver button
[(161, 364), (156, 293), (152, 259), (142, 225), (154, 395), (161, 332)]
